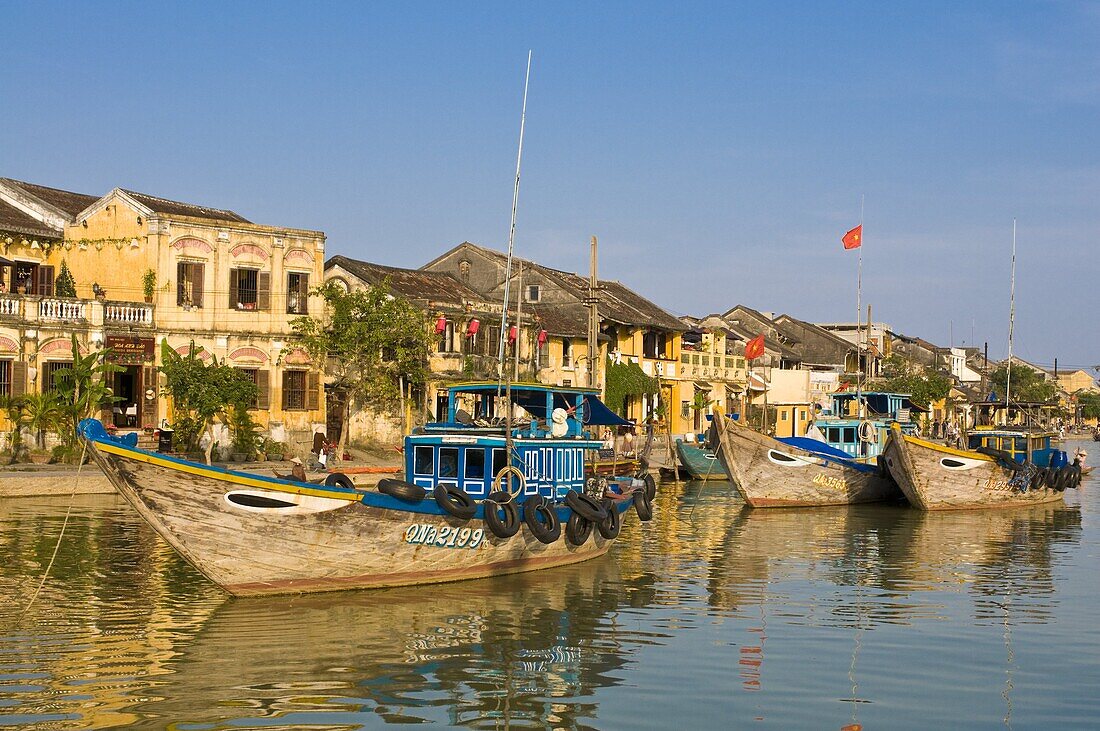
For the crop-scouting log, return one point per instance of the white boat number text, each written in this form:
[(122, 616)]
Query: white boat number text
[(444, 536)]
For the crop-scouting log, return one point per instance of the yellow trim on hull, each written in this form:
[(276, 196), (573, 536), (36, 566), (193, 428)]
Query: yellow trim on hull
[(236, 479), (939, 447)]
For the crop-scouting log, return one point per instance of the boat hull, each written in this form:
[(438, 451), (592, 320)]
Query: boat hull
[(771, 474), (935, 477), (699, 462), (290, 537)]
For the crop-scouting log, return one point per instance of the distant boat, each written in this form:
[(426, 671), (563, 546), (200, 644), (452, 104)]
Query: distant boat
[(700, 461), (468, 508), (797, 471)]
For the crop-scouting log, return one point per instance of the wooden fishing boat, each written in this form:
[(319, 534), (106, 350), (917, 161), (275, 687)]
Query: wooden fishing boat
[(253, 534), (700, 462), (936, 477), (796, 471)]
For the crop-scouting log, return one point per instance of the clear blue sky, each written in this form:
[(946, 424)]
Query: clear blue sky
[(719, 151)]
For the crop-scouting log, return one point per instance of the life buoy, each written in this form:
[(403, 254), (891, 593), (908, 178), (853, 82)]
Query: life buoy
[(501, 527), (541, 519), (586, 506), (455, 501), (498, 481), (867, 432), (339, 479), (642, 506), (577, 529), (401, 490), (609, 527)]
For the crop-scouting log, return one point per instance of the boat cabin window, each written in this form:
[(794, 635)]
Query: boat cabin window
[(424, 461), (475, 464), (832, 434), (849, 435), (448, 461), (499, 461)]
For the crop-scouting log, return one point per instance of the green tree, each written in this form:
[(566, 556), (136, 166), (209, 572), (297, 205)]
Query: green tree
[(923, 388), (369, 340), (42, 413), (65, 284), (12, 406), (202, 392), (82, 389), (1027, 384), (1090, 405)]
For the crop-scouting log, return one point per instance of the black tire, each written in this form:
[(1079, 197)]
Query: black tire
[(455, 501), (642, 506), (1051, 478), (650, 486), (1076, 479), (339, 479), (587, 506), (610, 527), (1038, 478), (542, 519), (577, 529), (401, 490), (1064, 477), (507, 526)]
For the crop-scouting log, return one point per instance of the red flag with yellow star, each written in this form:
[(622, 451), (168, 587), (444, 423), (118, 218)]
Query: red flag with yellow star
[(854, 238), (754, 348)]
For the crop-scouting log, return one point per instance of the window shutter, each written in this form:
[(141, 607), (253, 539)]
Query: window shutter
[(263, 385), (303, 294), (148, 405), (181, 275), (263, 291), (234, 298), (198, 271), (45, 281), (313, 391), (18, 378)]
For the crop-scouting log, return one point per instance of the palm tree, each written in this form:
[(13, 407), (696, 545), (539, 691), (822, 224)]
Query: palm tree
[(42, 413), (12, 406)]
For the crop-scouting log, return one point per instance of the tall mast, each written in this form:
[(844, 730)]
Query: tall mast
[(593, 322), (519, 317), (1011, 322), (512, 228), (507, 282), (859, 314)]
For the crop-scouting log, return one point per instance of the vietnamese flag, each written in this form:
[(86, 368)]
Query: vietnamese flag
[(754, 348), (854, 238)]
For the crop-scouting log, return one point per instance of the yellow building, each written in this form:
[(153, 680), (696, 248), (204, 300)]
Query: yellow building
[(1076, 381), (147, 269)]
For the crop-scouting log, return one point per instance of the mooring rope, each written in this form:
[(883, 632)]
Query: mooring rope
[(64, 525)]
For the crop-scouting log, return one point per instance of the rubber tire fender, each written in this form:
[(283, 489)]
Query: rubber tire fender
[(642, 506), (510, 524), (402, 490), (587, 506), (548, 530), (455, 501), (1039, 478), (1076, 480), (650, 486), (1051, 478), (1062, 480), (610, 527), (577, 529), (339, 479)]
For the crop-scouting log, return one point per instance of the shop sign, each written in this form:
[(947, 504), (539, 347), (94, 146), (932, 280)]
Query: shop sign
[(127, 350)]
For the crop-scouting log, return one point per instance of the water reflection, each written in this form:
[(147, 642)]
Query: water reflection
[(126, 635)]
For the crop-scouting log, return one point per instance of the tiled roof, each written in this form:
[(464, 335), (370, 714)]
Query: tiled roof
[(63, 200), (410, 284), (568, 320), (16, 221), (176, 208)]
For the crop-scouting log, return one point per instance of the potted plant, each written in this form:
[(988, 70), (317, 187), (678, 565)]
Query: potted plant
[(246, 437), (275, 450), (149, 284)]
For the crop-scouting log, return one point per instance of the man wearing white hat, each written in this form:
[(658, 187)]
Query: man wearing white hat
[(298, 473)]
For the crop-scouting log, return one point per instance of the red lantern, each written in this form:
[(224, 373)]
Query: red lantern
[(472, 328), (512, 334), (542, 337), (440, 325)]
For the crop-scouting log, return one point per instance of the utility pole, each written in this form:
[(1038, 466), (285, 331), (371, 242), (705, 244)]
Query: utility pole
[(593, 303)]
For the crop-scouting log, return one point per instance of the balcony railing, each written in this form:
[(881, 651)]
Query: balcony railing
[(35, 310)]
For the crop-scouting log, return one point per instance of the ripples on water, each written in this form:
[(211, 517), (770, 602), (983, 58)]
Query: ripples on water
[(711, 616)]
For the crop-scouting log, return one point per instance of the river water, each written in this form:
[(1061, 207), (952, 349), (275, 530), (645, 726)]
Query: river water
[(711, 616)]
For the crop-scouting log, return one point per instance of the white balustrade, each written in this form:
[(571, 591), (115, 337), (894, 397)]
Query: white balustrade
[(9, 306), (59, 309), (128, 313)]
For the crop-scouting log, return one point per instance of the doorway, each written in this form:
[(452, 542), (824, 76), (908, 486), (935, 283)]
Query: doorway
[(129, 392)]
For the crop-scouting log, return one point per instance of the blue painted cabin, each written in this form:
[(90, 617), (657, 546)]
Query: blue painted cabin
[(549, 442), (1023, 445), (841, 425)]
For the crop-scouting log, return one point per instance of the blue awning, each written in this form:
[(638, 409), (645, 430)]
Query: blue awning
[(596, 413)]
